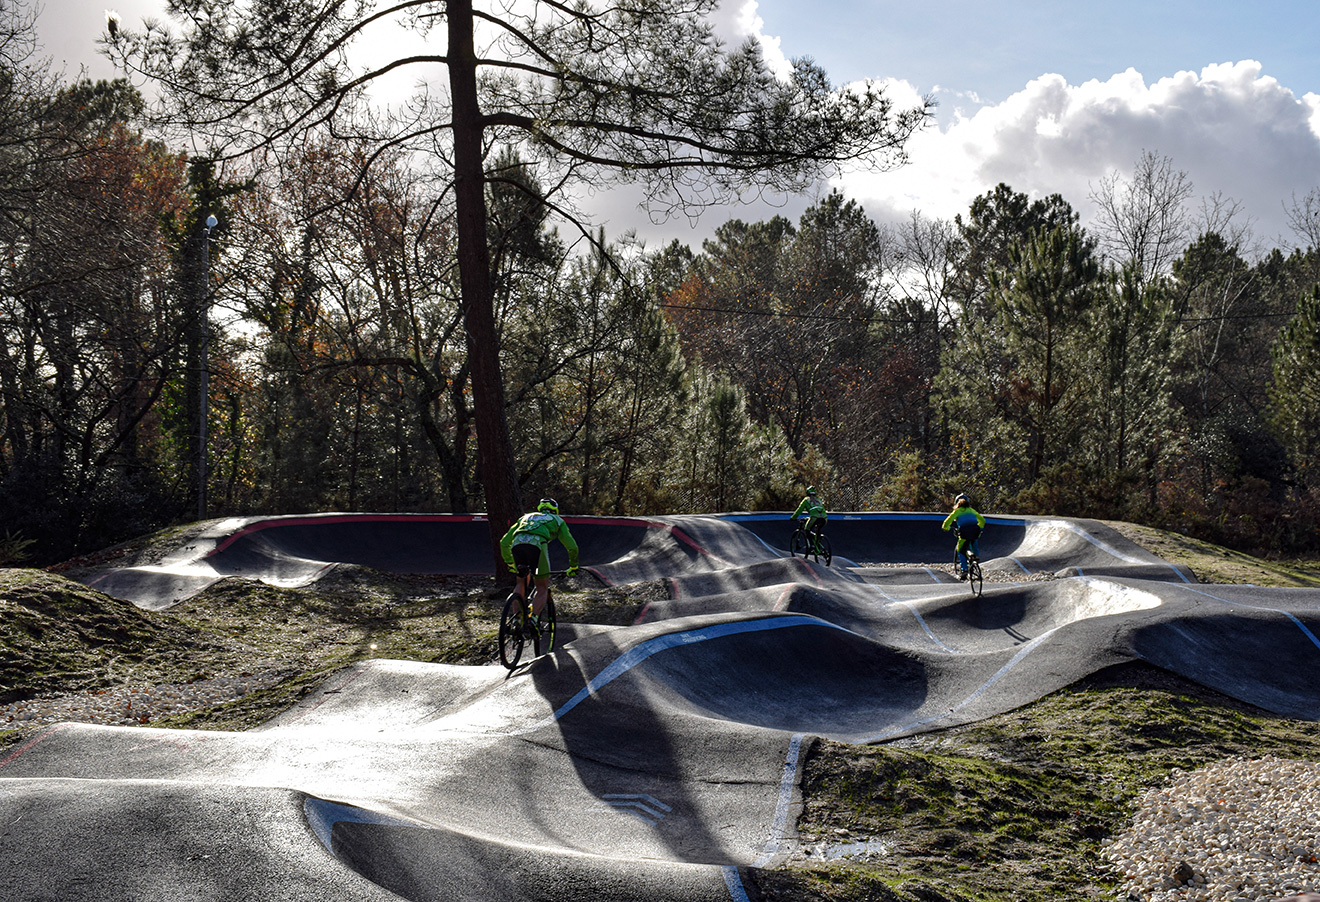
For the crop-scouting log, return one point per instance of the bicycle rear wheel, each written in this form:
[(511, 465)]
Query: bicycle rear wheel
[(543, 640), (825, 550), (974, 576), (511, 631), (798, 545)]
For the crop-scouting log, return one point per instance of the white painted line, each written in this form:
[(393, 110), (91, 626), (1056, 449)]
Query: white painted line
[(734, 883), (922, 620), (640, 652), (1259, 607), (1105, 546), (786, 783), (1000, 674)]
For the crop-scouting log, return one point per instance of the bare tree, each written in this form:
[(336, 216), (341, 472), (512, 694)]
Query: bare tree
[(1222, 215), (1143, 222), (1304, 219)]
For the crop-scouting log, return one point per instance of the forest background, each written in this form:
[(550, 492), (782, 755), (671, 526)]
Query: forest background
[(1160, 367)]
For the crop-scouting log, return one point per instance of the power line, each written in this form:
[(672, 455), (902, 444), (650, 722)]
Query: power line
[(774, 314)]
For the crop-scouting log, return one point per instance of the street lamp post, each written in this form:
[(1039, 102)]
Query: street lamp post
[(205, 374)]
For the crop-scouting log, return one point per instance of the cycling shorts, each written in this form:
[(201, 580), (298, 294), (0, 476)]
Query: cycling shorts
[(531, 553)]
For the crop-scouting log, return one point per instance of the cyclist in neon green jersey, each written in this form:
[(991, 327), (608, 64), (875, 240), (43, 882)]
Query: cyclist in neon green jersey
[(813, 510), (967, 522), (527, 543)]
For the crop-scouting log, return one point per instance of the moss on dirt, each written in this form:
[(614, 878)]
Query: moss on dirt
[(57, 635), (60, 636)]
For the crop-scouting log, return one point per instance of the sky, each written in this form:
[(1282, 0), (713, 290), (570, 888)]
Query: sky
[(1048, 96)]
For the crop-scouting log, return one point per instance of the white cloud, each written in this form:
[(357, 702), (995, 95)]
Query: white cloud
[(1230, 128), (736, 20)]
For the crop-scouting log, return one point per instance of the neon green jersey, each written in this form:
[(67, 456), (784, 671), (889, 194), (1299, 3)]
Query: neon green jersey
[(540, 528), (813, 507)]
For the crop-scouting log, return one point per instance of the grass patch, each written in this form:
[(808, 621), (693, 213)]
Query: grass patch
[(1216, 564)]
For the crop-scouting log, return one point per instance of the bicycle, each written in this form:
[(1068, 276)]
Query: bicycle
[(516, 626), (974, 576), (803, 543)]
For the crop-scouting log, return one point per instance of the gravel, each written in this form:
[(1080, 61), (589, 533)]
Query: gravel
[(134, 705), (1239, 829)]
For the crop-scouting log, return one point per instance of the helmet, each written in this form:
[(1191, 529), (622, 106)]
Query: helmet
[(961, 500), (811, 490), (548, 505)]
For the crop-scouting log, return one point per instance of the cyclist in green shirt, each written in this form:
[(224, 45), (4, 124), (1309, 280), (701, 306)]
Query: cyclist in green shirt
[(527, 543), (967, 523), (813, 511)]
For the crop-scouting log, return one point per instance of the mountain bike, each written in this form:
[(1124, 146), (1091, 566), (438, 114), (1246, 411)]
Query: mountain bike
[(517, 624), (803, 543), (975, 578)]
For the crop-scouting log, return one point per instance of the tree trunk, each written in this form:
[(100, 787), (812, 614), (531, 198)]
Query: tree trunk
[(494, 450)]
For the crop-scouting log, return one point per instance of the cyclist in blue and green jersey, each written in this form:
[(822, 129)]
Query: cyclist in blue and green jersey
[(967, 523), (812, 509), (527, 543)]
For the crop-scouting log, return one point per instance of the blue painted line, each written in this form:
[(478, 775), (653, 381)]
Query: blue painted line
[(640, 652)]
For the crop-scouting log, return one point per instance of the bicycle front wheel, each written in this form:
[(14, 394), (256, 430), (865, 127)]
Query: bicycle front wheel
[(544, 640), (798, 546), (511, 631)]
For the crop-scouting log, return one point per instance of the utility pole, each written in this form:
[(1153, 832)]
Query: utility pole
[(205, 367)]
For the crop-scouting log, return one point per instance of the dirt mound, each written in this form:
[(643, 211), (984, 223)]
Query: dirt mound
[(59, 635)]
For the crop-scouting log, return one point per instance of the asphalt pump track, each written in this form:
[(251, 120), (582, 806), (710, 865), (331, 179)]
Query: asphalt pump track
[(656, 761)]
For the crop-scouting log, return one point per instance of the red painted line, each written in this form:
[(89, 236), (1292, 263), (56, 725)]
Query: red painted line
[(35, 740), (810, 569), (616, 521), (684, 537), (641, 521), (600, 576)]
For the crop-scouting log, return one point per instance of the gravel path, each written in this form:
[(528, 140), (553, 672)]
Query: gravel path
[(1236, 831)]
